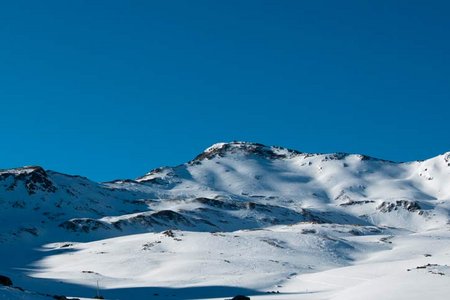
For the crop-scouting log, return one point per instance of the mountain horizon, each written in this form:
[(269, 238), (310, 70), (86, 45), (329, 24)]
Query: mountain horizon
[(228, 145), (238, 218)]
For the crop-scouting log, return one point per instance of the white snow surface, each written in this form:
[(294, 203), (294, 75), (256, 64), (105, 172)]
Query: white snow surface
[(240, 218)]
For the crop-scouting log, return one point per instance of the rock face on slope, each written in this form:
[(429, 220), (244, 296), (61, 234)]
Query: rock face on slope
[(33, 179), (5, 281), (224, 149), (230, 186)]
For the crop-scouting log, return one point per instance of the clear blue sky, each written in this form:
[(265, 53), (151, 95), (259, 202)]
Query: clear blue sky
[(112, 89)]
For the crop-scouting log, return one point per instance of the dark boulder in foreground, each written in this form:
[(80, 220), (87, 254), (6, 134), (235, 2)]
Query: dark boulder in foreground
[(240, 297), (6, 281)]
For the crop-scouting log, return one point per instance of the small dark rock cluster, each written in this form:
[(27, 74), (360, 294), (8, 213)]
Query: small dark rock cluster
[(5, 281), (240, 297), (411, 206)]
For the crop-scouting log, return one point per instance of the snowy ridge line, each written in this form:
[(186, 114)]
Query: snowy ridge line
[(240, 218)]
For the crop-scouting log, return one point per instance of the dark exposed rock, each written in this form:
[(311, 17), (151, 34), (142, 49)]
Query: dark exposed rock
[(34, 179), (250, 205), (343, 155), (143, 202), (246, 148), (387, 239), (31, 230), (83, 225), (411, 206), (149, 245), (311, 217), (308, 231), (426, 266), (169, 233), (240, 297), (353, 202), (143, 220), (156, 180), (159, 177), (447, 158), (355, 232), (38, 180), (170, 215), (335, 156), (275, 243), (89, 272), (6, 281)]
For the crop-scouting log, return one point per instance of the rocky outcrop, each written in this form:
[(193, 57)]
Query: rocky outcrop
[(411, 206), (34, 179), (260, 150), (5, 281)]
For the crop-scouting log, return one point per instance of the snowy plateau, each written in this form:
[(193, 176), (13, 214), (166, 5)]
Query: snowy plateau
[(239, 219)]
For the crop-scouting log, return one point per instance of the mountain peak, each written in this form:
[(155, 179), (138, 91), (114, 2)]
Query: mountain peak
[(23, 170), (222, 149), (447, 156), (33, 178)]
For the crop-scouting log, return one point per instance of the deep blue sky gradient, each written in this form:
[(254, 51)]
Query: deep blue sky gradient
[(112, 89)]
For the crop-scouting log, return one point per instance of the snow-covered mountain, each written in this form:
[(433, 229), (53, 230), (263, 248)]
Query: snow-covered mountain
[(238, 218)]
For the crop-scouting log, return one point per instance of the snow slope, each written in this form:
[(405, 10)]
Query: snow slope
[(239, 218)]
